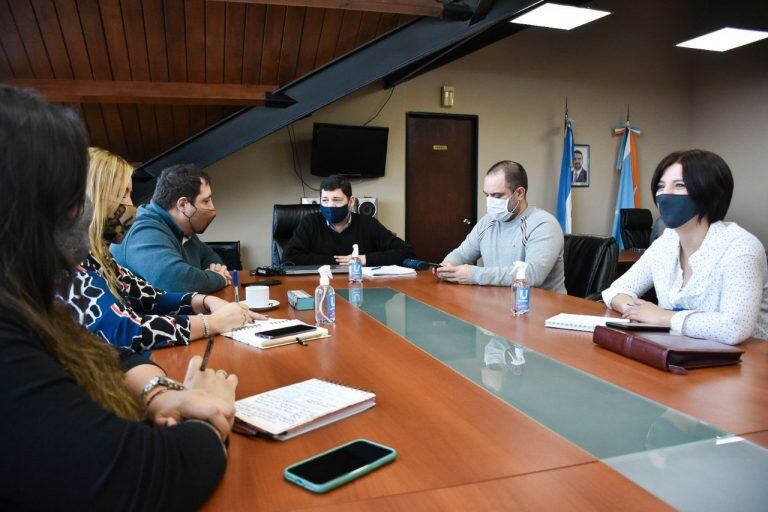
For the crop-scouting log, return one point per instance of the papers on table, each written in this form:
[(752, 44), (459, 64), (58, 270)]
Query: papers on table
[(580, 322), (388, 271)]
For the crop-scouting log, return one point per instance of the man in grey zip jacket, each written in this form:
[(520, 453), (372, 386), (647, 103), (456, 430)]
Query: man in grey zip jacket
[(511, 232)]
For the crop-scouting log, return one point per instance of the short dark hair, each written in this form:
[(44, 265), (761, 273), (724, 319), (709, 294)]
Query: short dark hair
[(578, 151), (182, 180), (337, 181), (708, 180), (514, 174)]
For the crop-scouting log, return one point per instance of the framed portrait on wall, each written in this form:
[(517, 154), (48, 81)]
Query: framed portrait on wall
[(581, 166)]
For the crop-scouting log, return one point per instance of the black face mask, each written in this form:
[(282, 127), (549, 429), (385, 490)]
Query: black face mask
[(676, 209)]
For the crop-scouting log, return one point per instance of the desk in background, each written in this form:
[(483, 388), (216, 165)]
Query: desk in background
[(459, 445), (627, 258)]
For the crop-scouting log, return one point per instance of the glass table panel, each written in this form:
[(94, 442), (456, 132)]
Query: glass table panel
[(609, 422)]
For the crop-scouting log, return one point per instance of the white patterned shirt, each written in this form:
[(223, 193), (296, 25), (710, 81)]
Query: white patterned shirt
[(726, 296)]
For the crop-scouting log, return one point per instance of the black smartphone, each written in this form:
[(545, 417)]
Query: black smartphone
[(263, 282), (285, 331), (340, 465), (637, 326)]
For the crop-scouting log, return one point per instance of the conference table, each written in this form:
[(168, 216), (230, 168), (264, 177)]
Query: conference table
[(493, 411)]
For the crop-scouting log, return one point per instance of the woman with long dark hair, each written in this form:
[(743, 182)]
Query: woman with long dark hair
[(75, 434)]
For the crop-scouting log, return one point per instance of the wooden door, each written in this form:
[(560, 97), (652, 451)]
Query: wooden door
[(440, 182)]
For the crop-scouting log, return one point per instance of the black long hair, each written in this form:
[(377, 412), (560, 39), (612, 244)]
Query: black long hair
[(43, 171)]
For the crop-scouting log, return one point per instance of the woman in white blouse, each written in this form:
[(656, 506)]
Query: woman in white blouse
[(710, 276)]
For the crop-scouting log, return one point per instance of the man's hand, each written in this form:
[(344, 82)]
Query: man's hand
[(344, 260), (460, 274), (648, 313), (222, 271)]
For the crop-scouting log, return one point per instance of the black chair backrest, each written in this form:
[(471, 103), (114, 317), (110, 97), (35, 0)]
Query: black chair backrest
[(285, 220), (636, 227), (590, 264), (229, 252)]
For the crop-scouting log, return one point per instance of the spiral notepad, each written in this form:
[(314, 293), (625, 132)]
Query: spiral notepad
[(579, 322), (248, 333), (286, 412)]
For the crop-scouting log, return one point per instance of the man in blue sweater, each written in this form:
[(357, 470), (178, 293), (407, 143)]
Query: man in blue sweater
[(162, 245)]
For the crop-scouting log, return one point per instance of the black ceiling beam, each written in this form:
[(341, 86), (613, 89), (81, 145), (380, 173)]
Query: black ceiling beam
[(381, 57)]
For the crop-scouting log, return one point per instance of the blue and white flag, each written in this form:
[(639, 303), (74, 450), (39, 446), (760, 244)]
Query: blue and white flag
[(628, 195), (564, 190)]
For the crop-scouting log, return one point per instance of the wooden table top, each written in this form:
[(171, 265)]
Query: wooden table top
[(448, 431)]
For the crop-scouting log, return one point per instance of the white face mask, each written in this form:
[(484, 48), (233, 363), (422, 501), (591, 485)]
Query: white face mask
[(498, 208)]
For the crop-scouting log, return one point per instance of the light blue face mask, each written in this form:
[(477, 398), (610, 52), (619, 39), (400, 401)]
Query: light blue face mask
[(676, 209)]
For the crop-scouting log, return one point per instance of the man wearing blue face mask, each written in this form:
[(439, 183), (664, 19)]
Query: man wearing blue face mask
[(510, 233), (326, 238)]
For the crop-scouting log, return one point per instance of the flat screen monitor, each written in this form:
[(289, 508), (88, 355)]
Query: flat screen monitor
[(357, 151)]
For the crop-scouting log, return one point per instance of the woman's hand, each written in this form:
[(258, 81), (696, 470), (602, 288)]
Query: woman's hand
[(231, 316), (647, 312), (621, 301), (210, 397), (213, 304)]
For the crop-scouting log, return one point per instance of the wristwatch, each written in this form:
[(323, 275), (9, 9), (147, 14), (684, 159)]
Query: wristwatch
[(160, 380)]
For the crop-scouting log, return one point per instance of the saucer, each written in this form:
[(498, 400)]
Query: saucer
[(272, 304)]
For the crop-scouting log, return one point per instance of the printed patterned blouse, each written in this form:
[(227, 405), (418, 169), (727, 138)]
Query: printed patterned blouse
[(147, 318)]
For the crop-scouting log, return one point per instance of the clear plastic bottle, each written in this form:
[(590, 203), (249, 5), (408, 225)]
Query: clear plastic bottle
[(521, 291), (325, 298), (356, 293), (355, 266)]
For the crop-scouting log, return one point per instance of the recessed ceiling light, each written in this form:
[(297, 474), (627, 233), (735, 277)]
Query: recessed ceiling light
[(564, 17), (724, 39)]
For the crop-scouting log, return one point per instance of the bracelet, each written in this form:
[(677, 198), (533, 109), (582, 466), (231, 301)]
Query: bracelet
[(206, 328), (205, 307), (159, 392)]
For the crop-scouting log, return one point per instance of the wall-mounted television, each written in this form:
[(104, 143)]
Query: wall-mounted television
[(357, 151)]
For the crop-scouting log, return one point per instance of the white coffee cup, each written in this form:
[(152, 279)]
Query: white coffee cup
[(257, 296)]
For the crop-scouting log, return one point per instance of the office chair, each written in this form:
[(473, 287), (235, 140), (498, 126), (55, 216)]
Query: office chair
[(285, 220), (636, 227), (229, 253), (590, 264)]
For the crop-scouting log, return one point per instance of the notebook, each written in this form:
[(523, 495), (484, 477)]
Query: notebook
[(580, 322), (308, 270), (671, 352), (292, 410), (248, 333), (388, 271)]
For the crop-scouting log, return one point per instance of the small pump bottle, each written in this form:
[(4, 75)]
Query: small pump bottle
[(325, 298), (521, 291), (355, 266)]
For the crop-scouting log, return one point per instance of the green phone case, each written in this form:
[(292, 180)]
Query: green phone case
[(337, 482)]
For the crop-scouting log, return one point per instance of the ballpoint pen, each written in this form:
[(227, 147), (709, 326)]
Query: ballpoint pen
[(236, 284), (207, 355)]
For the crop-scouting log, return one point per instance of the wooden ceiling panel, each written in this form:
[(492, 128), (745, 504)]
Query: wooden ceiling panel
[(255, 16), (108, 51), (310, 40), (291, 43)]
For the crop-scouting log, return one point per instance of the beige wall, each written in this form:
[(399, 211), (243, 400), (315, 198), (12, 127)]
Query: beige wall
[(730, 117), (517, 88)]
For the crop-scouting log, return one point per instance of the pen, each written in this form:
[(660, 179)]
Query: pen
[(375, 268), (236, 284), (207, 355)]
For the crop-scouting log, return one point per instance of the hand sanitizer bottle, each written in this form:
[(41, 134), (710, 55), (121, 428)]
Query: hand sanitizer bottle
[(325, 298), (356, 294), (521, 291), (355, 266)]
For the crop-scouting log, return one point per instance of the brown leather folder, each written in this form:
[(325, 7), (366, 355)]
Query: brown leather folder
[(674, 353)]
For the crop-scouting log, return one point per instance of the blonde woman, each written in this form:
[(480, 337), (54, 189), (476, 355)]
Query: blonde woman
[(121, 307)]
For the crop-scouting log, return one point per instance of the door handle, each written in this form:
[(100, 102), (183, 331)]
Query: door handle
[(467, 222)]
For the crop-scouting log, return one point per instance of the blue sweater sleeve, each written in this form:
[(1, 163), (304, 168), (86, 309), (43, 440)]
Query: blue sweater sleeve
[(151, 253)]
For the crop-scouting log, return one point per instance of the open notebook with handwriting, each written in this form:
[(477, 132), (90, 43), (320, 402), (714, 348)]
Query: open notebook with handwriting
[(249, 333), (289, 411)]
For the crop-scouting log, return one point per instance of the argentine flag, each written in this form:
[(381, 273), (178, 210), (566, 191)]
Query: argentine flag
[(628, 195), (564, 190)]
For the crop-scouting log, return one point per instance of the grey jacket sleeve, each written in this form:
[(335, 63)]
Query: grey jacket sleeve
[(469, 250), (544, 246)]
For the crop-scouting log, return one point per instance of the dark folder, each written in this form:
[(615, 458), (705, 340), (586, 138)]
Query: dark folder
[(674, 353)]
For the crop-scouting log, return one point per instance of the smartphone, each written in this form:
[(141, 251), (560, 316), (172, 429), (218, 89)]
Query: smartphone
[(340, 465), (285, 331), (636, 326)]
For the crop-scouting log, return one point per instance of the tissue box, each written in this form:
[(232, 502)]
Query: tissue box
[(301, 300)]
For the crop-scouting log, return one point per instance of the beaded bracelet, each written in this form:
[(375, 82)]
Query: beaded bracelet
[(205, 306), (206, 329)]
